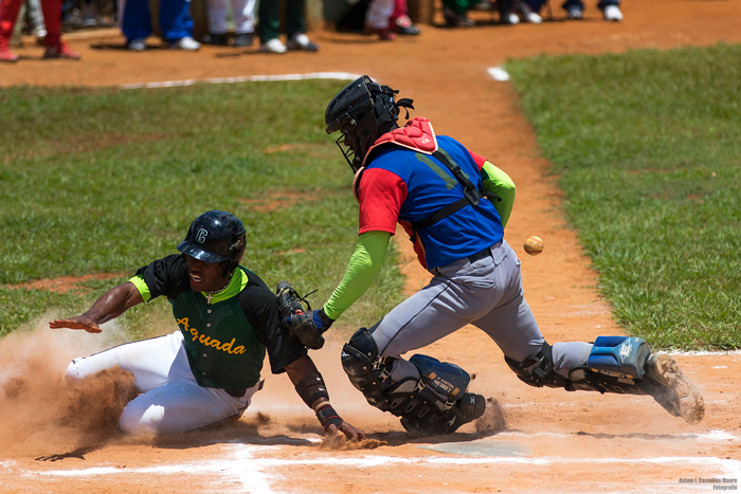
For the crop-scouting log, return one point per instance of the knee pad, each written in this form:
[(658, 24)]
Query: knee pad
[(367, 371), (427, 406)]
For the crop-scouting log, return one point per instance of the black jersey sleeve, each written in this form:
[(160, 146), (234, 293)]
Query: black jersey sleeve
[(166, 276), (260, 307)]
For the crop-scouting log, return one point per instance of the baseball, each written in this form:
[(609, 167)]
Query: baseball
[(533, 245)]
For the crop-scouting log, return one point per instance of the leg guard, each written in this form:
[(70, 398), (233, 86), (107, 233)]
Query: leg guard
[(616, 365), (435, 404), (619, 364)]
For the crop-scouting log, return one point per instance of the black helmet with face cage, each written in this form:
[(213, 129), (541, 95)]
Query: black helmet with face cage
[(363, 111)]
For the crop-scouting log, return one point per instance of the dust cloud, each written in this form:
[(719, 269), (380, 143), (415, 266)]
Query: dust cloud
[(40, 412)]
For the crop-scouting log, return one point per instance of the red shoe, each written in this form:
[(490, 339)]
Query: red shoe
[(7, 56), (384, 33), (61, 51)]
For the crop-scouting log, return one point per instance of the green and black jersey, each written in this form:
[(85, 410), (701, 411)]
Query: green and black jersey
[(227, 337)]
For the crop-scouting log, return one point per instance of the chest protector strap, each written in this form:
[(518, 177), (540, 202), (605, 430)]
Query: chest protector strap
[(471, 195)]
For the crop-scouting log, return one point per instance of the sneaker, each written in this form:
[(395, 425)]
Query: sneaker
[(60, 51), (137, 44), (7, 56), (575, 14), (456, 20), (220, 39), (40, 34), (404, 25), (185, 43), (273, 46), (244, 39), (510, 18), (612, 13), (672, 390), (88, 16), (300, 41), (524, 11)]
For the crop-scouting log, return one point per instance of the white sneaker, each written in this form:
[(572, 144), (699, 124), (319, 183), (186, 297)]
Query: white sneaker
[(273, 46), (533, 18), (612, 13), (137, 44), (300, 41), (575, 14), (526, 13), (511, 18), (186, 43)]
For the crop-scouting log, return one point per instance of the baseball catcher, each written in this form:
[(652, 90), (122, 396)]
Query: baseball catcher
[(208, 370), (454, 205)]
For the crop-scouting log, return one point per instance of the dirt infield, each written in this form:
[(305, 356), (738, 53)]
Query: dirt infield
[(542, 440)]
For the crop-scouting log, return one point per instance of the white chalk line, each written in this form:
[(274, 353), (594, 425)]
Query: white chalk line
[(715, 435), (241, 464), (248, 78)]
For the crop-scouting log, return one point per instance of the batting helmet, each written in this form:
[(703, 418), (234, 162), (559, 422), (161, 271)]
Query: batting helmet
[(216, 236), (363, 111)]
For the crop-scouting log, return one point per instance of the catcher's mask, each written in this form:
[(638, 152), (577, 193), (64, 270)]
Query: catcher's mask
[(216, 236), (363, 111)]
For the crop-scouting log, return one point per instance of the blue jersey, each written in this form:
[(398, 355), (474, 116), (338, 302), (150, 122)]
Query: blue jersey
[(401, 184)]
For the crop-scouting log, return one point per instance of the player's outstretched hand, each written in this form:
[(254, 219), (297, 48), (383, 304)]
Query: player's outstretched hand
[(79, 322), (350, 431)]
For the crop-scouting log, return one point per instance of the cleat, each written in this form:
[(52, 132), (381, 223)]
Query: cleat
[(672, 390), (471, 407)]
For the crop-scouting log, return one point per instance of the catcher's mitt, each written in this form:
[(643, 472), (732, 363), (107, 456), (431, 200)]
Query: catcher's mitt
[(295, 318)]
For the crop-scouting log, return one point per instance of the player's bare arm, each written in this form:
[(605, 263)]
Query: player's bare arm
[(109, 306), (310, 387)]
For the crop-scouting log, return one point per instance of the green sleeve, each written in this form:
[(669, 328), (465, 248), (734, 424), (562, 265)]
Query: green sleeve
[(364, 265), (140, 285), (498, 182)]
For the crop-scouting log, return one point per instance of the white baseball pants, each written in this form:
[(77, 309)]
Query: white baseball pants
[(171, 400)]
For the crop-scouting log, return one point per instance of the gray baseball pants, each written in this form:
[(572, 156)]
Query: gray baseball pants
[(486, 293)]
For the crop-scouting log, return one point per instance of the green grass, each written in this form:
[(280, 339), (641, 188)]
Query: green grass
[(647, 148), (106, 180)]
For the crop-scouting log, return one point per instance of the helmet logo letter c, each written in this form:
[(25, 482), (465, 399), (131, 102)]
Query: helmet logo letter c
[(201, 235)]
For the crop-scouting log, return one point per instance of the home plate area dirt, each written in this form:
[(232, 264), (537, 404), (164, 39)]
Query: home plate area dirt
[(531, 440)]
